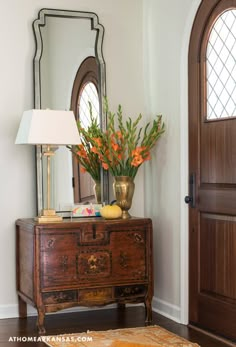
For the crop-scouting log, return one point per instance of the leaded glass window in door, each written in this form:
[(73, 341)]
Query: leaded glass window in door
[(221, 68)]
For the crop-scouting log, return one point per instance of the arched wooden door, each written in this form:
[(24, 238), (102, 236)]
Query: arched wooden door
[(212, 168)]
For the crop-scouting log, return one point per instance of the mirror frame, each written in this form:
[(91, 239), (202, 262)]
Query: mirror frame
[(95, 25)]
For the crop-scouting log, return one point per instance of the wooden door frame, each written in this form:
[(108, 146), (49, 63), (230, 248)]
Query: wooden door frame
[(184, 166)]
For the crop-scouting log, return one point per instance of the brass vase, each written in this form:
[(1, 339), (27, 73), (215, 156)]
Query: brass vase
[(97, 191), (123, 188)]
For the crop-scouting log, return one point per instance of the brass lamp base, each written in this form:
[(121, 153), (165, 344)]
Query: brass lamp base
[(48, 216)]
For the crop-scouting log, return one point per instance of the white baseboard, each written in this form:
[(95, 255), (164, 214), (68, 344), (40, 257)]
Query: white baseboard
[(160, 306), (166, 309), (11, 311), (8, 311)]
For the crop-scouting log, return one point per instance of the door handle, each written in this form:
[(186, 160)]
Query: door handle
[(188, 199), (191, 198)]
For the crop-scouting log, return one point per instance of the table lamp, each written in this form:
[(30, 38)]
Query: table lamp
[(49, 128)]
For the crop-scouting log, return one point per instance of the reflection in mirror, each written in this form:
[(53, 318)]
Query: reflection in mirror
[(86, 185), (64, 40), (85, 90), (88, 94)]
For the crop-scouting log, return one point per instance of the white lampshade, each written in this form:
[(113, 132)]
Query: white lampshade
[(49, 127)]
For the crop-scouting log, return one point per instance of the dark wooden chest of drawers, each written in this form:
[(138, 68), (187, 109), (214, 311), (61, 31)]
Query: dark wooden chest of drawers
[(83, 262)]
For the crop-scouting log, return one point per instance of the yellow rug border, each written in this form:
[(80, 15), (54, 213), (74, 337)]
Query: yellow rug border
[(90, 332)]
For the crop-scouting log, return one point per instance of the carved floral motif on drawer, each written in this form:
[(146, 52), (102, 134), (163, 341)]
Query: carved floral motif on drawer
[(94, 262)]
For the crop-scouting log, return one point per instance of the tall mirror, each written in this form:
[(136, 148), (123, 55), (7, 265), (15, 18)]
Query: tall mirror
[(68, 43)]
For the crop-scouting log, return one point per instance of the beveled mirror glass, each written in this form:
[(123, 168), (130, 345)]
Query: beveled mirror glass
[(64, 39)]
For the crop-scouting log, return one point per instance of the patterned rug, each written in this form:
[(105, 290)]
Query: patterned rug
[(151, 336)]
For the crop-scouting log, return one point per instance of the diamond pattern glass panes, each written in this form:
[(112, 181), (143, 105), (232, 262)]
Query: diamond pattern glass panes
[(221, 68), (88, 94)]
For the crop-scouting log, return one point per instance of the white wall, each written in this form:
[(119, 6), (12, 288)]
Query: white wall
[(167, 28), (122, 52), (145, 49)]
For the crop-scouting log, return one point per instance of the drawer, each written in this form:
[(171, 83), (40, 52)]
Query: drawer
[(97, 295), (59, 241), (58, 268), (130, 291), (129, 255), (60, 297)]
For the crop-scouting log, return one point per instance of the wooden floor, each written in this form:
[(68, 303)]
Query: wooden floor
[(101, 319)]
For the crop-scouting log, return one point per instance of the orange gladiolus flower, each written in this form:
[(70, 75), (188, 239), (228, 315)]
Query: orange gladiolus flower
[(115, 146), (108, 154), (98, 141), (138, 151), (81, 151), (105, 166), (137, 160), (119, 135), (82, 169), (94, 150)]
